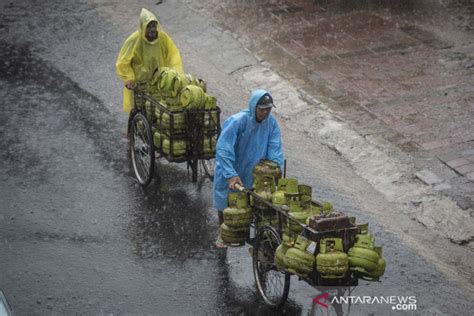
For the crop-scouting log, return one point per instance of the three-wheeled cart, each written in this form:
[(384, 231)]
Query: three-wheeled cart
[(195, 131), (273, 282)]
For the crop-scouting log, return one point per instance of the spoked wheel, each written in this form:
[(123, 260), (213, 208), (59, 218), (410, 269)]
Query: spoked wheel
[(142, 150), (273, 285), (208, 166)]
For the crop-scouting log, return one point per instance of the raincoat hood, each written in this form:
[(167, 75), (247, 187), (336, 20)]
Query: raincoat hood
[(145, 18), (254, 97)]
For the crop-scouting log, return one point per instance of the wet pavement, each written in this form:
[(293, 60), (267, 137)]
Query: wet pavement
[(70, 233), (79, 236), (402, 71)]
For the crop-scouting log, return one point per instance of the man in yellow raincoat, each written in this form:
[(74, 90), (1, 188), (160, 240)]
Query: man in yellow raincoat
[(145, 51)]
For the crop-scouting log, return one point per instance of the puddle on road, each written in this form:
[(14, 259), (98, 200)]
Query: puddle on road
[(172, 216)]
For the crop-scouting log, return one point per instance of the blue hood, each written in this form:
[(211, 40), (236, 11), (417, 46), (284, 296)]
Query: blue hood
[(254, 97)]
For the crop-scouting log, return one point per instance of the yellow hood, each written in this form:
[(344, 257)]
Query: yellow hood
[(145, 18)]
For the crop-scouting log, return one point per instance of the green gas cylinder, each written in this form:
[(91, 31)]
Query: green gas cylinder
[(365, 241), (265, 194), (237, 199), (300, 217), (289, 185), (178, 149), (305, 192), (380, 270), (237, 217), (363, 257), (280, 255), (233, 236), (298, 260), (267, 167), (278, 198), (331, 262)]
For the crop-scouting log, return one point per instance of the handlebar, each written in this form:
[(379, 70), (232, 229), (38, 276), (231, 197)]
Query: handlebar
[(137, 86), (239, 187)]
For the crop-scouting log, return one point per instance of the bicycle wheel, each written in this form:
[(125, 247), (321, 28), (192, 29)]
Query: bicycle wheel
[(142, 150), (208, 166), (272, 285)]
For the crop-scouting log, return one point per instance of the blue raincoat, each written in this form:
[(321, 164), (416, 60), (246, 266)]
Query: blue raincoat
[(243, 142)]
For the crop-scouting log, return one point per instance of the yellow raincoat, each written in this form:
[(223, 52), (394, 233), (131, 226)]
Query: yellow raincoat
[(139, 58)]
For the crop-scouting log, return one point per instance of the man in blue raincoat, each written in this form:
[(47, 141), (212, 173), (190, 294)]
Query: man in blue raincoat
[(246, 138)]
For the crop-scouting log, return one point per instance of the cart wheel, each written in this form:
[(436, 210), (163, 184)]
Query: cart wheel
[(142, 150), (273, 285), (208, 166)]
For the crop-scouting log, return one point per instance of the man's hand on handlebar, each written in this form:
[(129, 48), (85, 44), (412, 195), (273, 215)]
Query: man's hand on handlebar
[(130, 84), (233, 181)]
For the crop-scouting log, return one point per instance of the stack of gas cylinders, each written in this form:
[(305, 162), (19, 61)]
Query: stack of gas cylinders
[(237, 219), (180, 93), (334, 246)]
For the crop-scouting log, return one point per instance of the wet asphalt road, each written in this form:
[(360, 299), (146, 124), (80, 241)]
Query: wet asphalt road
[(78, 235)]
